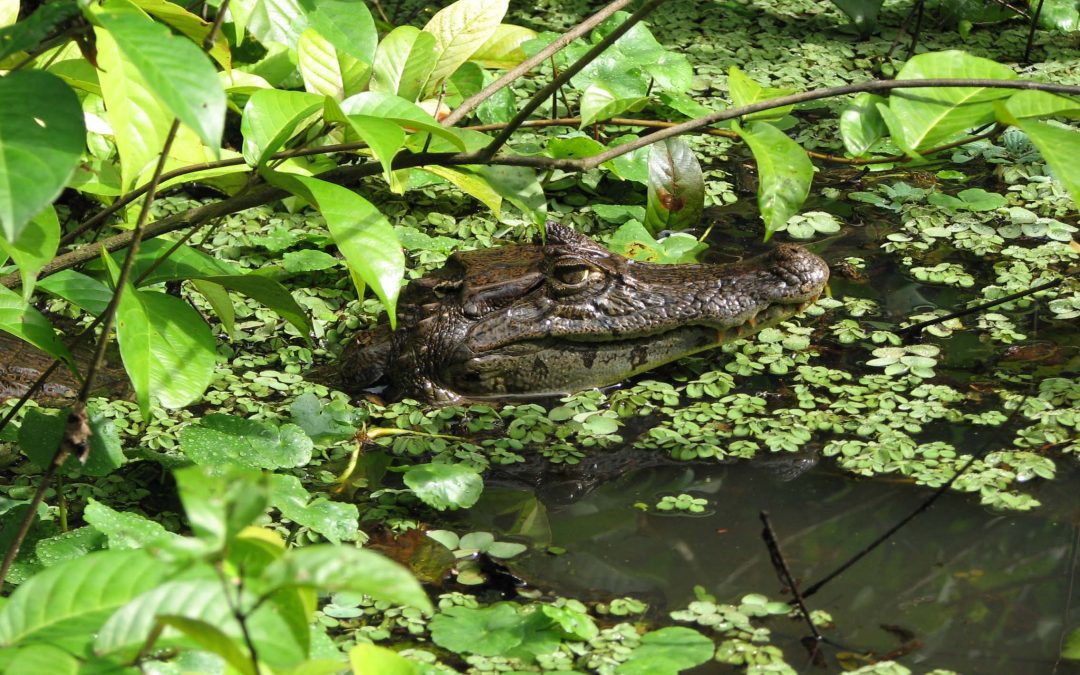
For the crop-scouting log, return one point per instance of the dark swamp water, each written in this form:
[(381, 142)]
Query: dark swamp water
[(961, 587)]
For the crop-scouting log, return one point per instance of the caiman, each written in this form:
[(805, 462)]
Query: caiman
[(565, 315)]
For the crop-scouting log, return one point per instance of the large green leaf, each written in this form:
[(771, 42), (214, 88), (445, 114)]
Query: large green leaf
[(403, 62), (503, 48), (745, 91), (784, 173), (383, 137), (41, 140), (861, 125), (168, 350), (676, 186), (177, 71), (23, 321), (125, 529), (409, 116), (487, 631), (668, 651), (518, 185), (35, 659), (460, 30), (1060, 146), (213, 639), (1026, 104), (65, 604), (348, 25), (269, 293), (273, 22), (928, 116), (190, 25), (361, 232), (41, 433), (271, 117), (200, 600), (84, 292), (33, 30), (221, 501), (445, 486), (140, 122), (35, 246), (332, 569), (605, 99), (471, 184), (337, 521), (369, 658), (217, 440), (327, 71)]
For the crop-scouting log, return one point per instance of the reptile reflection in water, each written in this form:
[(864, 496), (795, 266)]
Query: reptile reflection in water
[(565, 315)]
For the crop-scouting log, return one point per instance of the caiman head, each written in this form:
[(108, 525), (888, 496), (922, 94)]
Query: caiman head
[(566, 315)]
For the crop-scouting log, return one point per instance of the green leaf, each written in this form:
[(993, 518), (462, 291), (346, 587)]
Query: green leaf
[(348, 25), (41, 432), (489, 631), (1027, 104), (861, 125), (326, 71), (33, 30), (308, 260), (518, 185), (676, 195), (745, 91), (35, 246), (41, 141), (337, 521), (929, 116), (26, 323), (190, 25), (167, 348), (218, 439), (177, 71), (271, 117), (403, 62), (1061, 15), (140, 122), (66, 604), (273, 22), (383, 137), (611, 96), (219, 300), (405, 114), (211, 638), (573, 623), (1071, 648), (35, 659), (668, 650), (333, 569), (124, 529), (1059, 146), (269, 293), (361, 232), (445, 486), (369, 658), (221, 501), (503, 48), (460, 30), (784, 173), (69, 545), (471, 184), (84, 292)]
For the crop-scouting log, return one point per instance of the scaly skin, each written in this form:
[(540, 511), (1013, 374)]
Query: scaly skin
[(567, 315)]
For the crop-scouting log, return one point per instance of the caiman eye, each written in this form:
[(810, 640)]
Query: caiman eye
[(572, 274)]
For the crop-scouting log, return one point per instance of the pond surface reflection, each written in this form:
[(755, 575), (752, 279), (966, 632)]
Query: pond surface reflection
[(981, 591)]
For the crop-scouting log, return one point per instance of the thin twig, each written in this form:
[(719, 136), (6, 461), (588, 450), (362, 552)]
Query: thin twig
[(941, 490), (470, 104), (541, 96), (914, 328), (1031, 31), (779, 563), (814, 95)]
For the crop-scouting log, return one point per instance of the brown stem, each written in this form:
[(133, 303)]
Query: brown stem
[(539, 97), (814, 95), (470, 104)]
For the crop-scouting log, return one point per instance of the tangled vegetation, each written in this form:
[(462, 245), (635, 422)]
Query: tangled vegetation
[(218, 187)]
